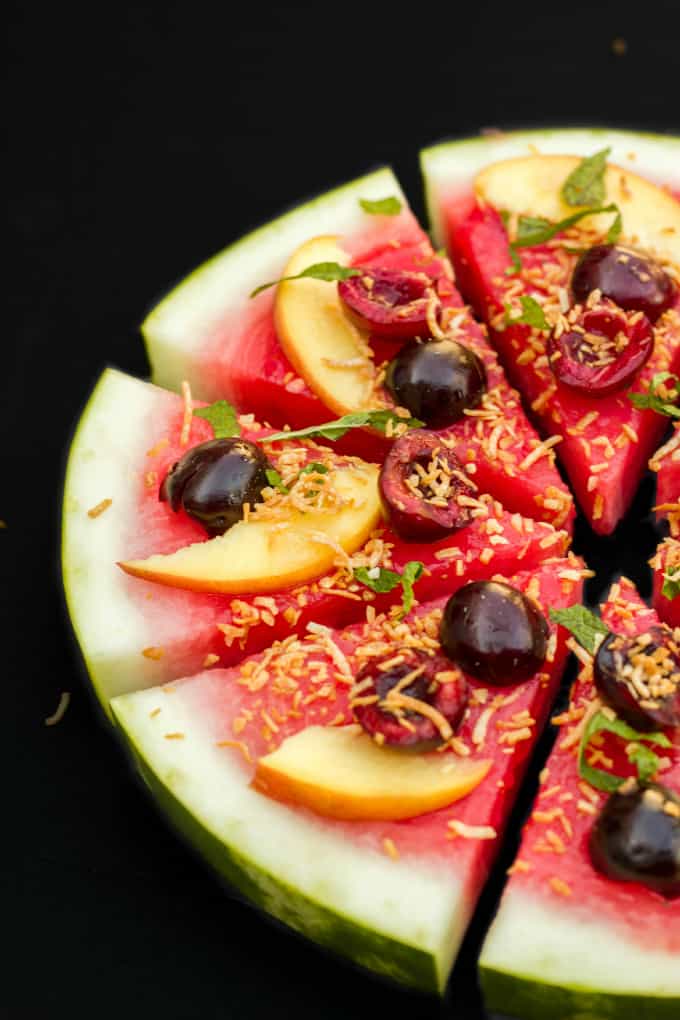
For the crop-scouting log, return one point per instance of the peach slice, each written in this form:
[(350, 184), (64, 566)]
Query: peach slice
[(270, 555), (340, 772), (325, 347), (532, 185)]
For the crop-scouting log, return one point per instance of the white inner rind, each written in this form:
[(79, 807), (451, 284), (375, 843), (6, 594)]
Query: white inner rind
[(452, 164), (546, 941), (104, 463), (421, 904), (178, 327)]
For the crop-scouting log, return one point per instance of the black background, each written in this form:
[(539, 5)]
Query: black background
[(141, 140)]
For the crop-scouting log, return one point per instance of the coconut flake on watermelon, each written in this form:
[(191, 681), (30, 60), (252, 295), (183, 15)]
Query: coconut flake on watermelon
[(604, 441), (666, 561), (394, 896), (294, 355), (135, 631), (567, 939)]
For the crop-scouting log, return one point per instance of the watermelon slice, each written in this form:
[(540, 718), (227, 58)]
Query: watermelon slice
[(138, 632), (394, 897), (666, 462), (567, 941), (604, 442), (209, 332)]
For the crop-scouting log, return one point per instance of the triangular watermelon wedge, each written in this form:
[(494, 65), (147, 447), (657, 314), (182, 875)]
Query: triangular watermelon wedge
[(210, 332), (137, 631), (394, 897), (567, 940), (605, 442)]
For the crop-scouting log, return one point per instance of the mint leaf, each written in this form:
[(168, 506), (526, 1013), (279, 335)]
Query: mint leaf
[(651, 401), (223, 418), (381, 206), (671, 583), (274, 479), (586, 627), (585, 184), (330, 272), (413, 571), (314, 468), (516, 262), (336, 429), (532, 314), (533, 230), (644, 761), (614, 232), (387, 580)]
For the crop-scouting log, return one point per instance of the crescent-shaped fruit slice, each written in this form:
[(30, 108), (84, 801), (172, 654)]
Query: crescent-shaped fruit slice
[(269, 555), (341, 773), (322, 343), (531, 185)]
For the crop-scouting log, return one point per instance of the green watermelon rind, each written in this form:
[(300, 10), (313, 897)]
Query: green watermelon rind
[(655, 156), (178, 326), (531, 998), (224, 823)]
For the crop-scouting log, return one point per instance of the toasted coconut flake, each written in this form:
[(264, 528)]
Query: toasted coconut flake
[(99, 509), (188, 413), (458, 828)]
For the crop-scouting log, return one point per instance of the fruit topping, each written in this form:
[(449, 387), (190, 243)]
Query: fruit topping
[(437, 381), (636, 837), (410, 699), (632, 280), (425, 492), (213, 481), (599, 348), (494, 632), (640, 677), (389, 303)]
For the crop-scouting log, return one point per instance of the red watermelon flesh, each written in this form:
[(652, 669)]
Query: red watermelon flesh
[(605, 442), (554, 840), (186, 626), (298, 683), (666, 462), (667, 558), (244, 362)]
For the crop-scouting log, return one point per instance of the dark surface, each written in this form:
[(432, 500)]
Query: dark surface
[(141, 140)]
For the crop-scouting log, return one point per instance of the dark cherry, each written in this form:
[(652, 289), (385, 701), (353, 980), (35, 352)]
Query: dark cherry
[(644, 698), (421, 485), (602, 350), (632, 280), (436, 381), (636, 837), (213, 480), (390, 303), (435, 682), (494, 632)]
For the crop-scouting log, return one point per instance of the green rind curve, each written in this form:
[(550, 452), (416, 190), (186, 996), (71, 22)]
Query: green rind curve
[(388, 957)]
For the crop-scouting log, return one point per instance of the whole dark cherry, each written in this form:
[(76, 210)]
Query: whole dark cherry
[(437, 381), (640, 677), (636, 837), (390, 303), (214, 480), (631, 280), (599, 350), (434, 682), (494, 632), (423, 488)]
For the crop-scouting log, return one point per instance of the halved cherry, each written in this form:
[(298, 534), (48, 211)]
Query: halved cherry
[(424, 488), (640, 677), (630, 279), (389, 303), (392, 696), (599, 350)]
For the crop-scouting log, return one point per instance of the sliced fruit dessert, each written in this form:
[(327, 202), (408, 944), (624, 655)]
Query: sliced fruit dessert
[(574, 263), (666, 593), (355, 783), (148, 483), (666, 462), (589, 923), (362, 314)]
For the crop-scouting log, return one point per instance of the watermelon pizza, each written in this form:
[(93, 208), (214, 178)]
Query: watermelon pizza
[(323, 588), (571, 254), (589, 923)]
